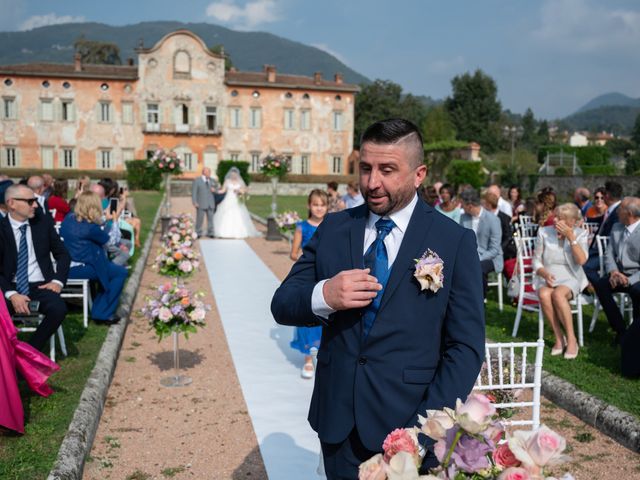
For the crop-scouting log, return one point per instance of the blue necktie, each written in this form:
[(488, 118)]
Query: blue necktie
[(22, 273), (377, 260)]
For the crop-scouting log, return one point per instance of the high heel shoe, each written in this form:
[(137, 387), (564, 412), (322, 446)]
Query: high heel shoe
[(571, 356), (558, 351)]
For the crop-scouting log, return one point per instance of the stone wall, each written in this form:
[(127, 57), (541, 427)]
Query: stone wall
[(565, 185), (182, 188)]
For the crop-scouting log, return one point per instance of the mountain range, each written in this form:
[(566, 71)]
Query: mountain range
[(612, 112)]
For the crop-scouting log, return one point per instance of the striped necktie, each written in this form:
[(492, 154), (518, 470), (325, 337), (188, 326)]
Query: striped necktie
[(22, 273), (377, 260)]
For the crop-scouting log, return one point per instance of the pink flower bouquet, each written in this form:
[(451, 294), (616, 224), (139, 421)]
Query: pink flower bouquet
[(287, 221), (166, 161), (274, 165), (180, 261)]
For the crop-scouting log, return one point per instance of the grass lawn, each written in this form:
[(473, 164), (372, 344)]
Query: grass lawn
[(47, 419), (261, 204), (595, 371)]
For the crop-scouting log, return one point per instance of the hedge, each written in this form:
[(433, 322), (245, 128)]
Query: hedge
[(299, 178), (67, 174), (462, 172), (225, 165), (587, 156), (141, 175)]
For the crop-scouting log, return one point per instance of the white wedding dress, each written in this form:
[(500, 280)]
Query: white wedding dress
[(232, 219)]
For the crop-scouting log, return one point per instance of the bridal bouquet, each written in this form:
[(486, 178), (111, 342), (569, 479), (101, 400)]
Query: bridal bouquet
[(287, 221), (274, 165), (470, 444), (166, 162), (174, 308), (180, 261)]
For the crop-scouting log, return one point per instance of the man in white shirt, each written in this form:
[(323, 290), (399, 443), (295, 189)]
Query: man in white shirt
[(353, 198), (503, 205)]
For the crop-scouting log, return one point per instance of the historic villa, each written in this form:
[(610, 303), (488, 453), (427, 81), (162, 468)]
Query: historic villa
[(79, 116)]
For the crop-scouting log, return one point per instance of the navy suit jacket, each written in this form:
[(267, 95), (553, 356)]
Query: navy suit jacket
[(424, 350), (604, 230)]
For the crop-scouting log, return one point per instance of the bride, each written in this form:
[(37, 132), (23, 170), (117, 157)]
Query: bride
[(232, 219)]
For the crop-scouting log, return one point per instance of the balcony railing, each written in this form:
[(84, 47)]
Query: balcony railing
[(178, 129)]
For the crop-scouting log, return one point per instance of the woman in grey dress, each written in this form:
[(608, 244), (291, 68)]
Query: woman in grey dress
[(560, 252)]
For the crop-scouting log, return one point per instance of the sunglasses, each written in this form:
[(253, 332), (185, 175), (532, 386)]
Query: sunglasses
[(30, 201), (598, 197)]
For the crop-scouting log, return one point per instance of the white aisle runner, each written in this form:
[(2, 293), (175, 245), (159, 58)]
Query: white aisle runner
[(268, 369)]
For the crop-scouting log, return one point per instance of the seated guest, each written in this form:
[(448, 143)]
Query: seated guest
[(503, 205), (488, 233), (622, 266), (58, 199), (517, 205), (36, 183), (5, 183), (596, 212), (560, 252), (612, 197), (581, 198), (28, 241), (353, 198), (546, 204), (507, 243), (447, 205), (85, 241), (335, 202), (48, 185), (428, 194), (118, 251)]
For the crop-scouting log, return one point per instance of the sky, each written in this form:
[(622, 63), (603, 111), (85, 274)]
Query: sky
[(550, 55)]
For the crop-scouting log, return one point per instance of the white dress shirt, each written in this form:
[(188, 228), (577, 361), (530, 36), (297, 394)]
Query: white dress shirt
[(505, 207), (392, 243)]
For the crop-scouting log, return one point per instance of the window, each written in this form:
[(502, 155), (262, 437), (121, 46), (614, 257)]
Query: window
[(182, 64), (46, 154), (8, 82), (105, 112), (46, 84), (128, 154), (289, 119), (10, 159), (153, 117), (211, 120), (68, 159), (255, 94), (68, 111), (235, 156), (127, 113), (187, 161), (182, 117), (255, 162), (305, 119), (234, 93), (9, 108), (337, 121), (104, 87), (66, 85), (256, 118), (236, 117), (288, 95), (304, 164), (336, 166), (46, 110), (305, 96), (104, 159)]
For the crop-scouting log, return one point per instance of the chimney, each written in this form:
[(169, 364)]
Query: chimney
[(77, 59), (338, 78), (317, 78), (130, 62), (233, 69), (271, 73)]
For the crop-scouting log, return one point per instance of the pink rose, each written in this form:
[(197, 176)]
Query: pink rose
[(372, 469), (475, 414), (400, 440), (504, 457), (171, 165), (515, 473), (437, 423), (538, 448), (161, 165)]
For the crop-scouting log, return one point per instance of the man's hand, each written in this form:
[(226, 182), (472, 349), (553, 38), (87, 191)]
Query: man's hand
[(53, 286), (124, 248), (196, 205), (351, 289), (20, 303), (618, 279)]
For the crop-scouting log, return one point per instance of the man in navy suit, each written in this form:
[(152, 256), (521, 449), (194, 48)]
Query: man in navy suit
[(389, 349)]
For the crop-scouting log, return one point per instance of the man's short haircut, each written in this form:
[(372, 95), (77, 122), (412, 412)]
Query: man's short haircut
[(15, 191), (470, 196), (633, 206), (582, 194), (35, 182), (614, 189), (491, 199), (396, 131), (333, 185), (353, 185)]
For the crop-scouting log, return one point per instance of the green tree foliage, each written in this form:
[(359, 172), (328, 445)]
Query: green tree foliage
[(635, 133), (619, 147), (543, 132), (225, 165), (529, 134), (94, 52), (632, 166), (464, 172), (437, 126), (384, 99), (475, 110), (439, 154), (219, 50)]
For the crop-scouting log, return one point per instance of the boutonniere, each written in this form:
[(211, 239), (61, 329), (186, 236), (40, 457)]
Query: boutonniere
[(429, 271)]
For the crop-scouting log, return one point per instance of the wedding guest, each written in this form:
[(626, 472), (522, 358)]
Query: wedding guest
[(117, 249), (58, 199), (438, 186), (447, 205), (596, 212), (36, 183), (335, 202), (5, 183), (86, 240), (515, 200), (48, 185), (353, 197), (486, 226), (560, 252), (203, 200), (581, 198), (306, 338), (428, 194), (546, 204), (507, 242), (83, 184), (503, 205)]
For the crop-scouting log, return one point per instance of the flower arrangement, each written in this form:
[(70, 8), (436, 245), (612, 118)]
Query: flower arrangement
[(274, 165), (180, 261), (180, 232), (470, 444), (429, 271), (287, 221), (167, 162)]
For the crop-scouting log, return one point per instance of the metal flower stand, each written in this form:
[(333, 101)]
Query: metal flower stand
[(176, 380), (166, 208), (273, 232)]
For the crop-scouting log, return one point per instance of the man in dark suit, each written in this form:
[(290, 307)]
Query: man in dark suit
[(27, 242), (390, 349), (36, 183), (612, 197)]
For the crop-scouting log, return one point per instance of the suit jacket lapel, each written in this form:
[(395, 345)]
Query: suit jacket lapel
[(12, 249), (413, 239), (357, 236)]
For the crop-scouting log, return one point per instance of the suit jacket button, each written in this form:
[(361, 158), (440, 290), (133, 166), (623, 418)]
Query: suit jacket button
[(362, 360)]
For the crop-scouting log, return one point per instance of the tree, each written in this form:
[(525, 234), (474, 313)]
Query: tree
[(97, 52), (475, 110), (437, 126), (635, 133), (543, 132), (464, 172), (529, 134), (219, 50)]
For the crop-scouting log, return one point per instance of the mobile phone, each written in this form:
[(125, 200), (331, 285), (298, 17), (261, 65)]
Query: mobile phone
[(34, 306), (113, 205), (121, 190)]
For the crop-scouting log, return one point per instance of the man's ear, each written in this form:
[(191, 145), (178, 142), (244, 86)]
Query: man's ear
[(421, 174)]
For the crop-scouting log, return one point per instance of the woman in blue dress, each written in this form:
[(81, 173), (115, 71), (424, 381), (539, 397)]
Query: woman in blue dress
[(306, 338)]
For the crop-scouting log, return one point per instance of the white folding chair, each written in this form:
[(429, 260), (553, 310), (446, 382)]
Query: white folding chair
[(591, 228), (527, 229), (52, 342), (505, 368), (497, 282)]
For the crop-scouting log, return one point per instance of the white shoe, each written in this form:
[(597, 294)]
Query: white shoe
[(307, 371)]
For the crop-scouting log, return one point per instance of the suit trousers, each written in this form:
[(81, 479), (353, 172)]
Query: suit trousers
[(341, 460), (611, 310), (107, 298), (200, 213), (51, 306), (487, 267), (630, 353), (591, 268)]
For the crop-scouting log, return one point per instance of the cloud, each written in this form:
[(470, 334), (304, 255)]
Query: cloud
[(581, 26), (247, 17), (49, 19), (325, 48), (451, 65)]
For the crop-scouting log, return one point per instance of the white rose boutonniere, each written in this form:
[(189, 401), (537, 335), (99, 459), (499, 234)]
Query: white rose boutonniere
[(430, 271)]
